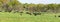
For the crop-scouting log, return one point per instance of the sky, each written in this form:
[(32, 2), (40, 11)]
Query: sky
[(40, 1)]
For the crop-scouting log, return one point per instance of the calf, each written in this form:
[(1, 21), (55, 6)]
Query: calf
[(28, 13)]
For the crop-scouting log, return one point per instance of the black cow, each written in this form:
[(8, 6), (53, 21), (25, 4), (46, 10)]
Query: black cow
[(0, 11), (36, 13), (28, 13), (58, 16), (21, 13)]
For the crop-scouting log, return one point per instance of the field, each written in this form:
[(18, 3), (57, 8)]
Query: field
[(16, 17)]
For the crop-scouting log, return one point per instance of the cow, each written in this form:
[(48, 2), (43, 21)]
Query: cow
[(21, 13), (36, 13), (58, 16), (28, 13), (0, 11)]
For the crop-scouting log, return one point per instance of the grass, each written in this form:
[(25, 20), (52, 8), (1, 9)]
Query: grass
[(16, 17)]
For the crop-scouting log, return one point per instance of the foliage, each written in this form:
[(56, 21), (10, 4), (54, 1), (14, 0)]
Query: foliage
[(10, 5)]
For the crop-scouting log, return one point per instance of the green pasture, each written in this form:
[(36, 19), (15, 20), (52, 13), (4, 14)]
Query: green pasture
[(16, 17)]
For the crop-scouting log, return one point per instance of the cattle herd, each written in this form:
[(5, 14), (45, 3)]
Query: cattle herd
[(29, 13), (35, 14)]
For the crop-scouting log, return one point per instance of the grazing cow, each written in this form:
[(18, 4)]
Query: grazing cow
[(58, 16), (0, 11), (28, 13), (21, 13), (37, 13)]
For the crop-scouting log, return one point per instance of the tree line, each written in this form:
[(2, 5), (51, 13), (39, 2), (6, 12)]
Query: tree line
[(14, 5)]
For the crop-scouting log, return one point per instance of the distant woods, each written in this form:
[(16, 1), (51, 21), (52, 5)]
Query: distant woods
[(14, 5)]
